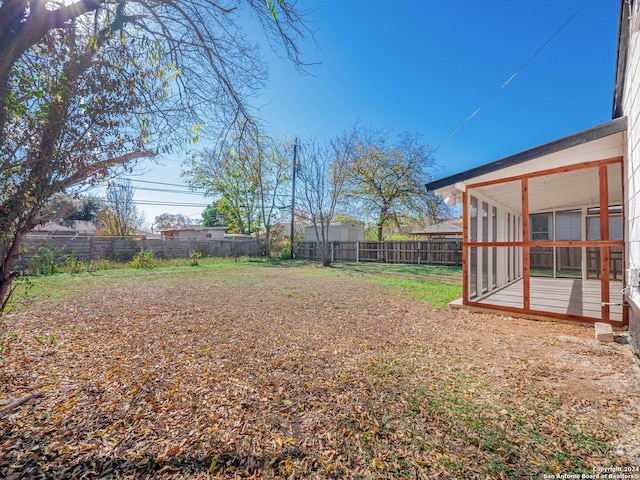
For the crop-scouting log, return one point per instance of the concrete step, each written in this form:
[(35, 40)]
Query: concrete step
[(604, 332)]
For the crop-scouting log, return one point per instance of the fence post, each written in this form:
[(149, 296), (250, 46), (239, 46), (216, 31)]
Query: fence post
[(332, 255), (419, 252), (357, 252)]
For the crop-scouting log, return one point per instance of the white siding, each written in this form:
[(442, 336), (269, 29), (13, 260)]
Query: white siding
[(348, 232), (631, 107)]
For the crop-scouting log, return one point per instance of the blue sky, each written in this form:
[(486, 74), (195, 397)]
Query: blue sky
[(424, 66)]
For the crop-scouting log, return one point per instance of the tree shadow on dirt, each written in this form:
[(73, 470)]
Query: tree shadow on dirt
[(150, 466)]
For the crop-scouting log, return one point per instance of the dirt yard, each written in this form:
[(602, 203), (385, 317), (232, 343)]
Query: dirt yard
[(298, 372)]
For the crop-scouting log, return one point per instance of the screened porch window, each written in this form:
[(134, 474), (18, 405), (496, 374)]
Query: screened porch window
[(569, 225), (616, 261), (541, 226)]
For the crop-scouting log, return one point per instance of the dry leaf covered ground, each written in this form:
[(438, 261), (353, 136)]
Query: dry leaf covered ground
[(300, 372)]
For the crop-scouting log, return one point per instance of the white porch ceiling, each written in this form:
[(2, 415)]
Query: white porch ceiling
[(578, 188)]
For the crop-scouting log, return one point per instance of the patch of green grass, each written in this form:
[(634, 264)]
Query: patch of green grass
[(432, 291), (62, 286), (434, 285), (456, 421)]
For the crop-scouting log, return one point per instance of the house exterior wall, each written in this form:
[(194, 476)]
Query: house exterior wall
[(356, 234), (337, 233), (207, 233), (189, 235), (631, 108)]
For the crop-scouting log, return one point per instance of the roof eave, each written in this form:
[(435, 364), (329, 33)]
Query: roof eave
[(621, 59), (604, 130)]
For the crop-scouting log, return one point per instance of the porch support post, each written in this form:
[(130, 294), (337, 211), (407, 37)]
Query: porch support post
[(604, 235), (465, 239), (526, 263)]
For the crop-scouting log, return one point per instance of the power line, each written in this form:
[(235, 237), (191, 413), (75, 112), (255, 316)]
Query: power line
[(160, 203), (514, 75), (164, 190), (156, 183), (169, 204)]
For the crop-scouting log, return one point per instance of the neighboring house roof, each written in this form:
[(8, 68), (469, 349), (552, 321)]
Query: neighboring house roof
[(192, 228), (69, 227), (444, 228), (600, 131), (340, 224), (144, 233), (54, 227)]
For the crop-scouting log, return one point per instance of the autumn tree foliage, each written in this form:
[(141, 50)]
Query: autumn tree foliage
[(119, 216), (88, 86), (386, 177), (169, 221)]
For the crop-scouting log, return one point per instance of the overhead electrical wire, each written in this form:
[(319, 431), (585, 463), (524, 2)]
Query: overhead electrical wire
[(169, 204), (164, 190), (132, 179), (514, 75), (156, 183)]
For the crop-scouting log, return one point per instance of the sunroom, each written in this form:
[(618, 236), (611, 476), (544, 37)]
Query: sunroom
[(543, 229)]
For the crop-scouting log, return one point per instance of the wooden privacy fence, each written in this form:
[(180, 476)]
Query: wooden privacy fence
[(84, 248), (427, 252), (569, 259)]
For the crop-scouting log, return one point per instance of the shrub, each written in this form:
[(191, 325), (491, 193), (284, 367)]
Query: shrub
[(44, 262), (74, 265), (194, 258), (144, 259)]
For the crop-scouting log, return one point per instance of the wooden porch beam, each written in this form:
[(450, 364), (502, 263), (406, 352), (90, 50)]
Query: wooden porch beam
[(604, 235), (526, 254), (541, 313), (550, 171), (465, 241), (557, 243)]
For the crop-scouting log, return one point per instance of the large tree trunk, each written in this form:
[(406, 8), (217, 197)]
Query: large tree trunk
[(267, 241), (6, 275)]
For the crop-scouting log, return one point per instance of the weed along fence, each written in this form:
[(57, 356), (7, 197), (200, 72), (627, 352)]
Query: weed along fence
[(83, 248), (427, 252)]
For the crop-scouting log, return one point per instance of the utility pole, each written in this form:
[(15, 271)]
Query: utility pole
[(293, 192)]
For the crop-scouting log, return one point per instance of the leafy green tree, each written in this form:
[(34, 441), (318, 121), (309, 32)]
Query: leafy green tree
[(87, 209), (67, 207), (87, 86), (272, 169), (228, 176), (212, 217), (247, 173), (233, 215)]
